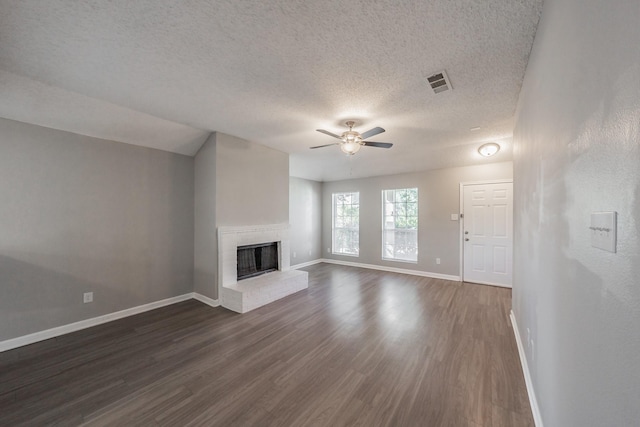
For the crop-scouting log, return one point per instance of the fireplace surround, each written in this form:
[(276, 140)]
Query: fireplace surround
[(248, 294)]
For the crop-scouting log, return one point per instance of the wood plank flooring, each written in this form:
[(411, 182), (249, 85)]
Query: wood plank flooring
[(358, 348)]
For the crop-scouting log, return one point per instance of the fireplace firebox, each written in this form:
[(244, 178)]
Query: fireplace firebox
[(254, 260)]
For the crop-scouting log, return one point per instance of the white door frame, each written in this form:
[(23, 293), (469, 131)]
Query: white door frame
[(461, 219)]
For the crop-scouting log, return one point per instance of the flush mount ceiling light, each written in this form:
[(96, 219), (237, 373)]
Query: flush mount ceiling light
[(488, 149)]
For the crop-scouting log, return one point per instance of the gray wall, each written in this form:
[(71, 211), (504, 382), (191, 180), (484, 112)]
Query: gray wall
[(205, 243), (305, 214), (237, 183), (81, 214), (438, 198), (577, 151), (252, 184)]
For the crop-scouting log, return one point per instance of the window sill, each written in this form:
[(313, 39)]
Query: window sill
[(341, 254), (405, 261)]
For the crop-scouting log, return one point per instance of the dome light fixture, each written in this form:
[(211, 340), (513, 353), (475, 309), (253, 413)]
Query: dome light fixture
[(350, 147), (351, 140), (488, 149)]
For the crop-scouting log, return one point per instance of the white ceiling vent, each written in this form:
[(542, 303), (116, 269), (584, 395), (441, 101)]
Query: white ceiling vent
[(439, 82)]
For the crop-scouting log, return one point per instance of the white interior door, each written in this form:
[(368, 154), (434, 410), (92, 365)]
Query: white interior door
[(488, 233)]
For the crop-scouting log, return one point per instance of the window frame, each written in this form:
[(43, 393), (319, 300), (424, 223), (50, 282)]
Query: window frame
[(334, 229), (416, 217)]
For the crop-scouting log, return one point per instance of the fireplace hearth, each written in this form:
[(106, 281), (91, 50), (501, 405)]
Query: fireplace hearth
[(243, 248)]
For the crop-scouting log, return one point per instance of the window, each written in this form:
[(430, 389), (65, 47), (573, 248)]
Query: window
[(400, 225), (346, 224)]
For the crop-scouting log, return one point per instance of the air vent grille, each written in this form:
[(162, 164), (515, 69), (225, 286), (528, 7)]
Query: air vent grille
[(439, 82)]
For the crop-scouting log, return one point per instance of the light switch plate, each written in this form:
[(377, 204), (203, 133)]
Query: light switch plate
[(604, 230), (454, 217)]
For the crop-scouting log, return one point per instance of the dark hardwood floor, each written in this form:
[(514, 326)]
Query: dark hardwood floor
[(358, 348)]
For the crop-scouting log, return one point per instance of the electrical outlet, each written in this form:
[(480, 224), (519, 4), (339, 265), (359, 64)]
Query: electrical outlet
[(529, 337), (294, 254), (328, 250), (437, 260), (88, 297), (309, 252)]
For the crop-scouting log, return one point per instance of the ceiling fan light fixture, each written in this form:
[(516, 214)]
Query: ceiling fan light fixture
[(488, 149), (350, 148), (351, 136), (351, 141)]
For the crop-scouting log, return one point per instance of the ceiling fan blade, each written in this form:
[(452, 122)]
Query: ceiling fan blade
[(325, 145), (326, 132), (371, 132), (378, 144)]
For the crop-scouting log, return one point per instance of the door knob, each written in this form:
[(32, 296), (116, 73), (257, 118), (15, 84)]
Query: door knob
[(466, 232), (466, 240)]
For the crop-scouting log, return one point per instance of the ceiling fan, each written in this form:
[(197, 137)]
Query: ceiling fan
[(351, 141)]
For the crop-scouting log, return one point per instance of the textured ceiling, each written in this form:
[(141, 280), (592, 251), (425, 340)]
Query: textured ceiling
[(165, 73)]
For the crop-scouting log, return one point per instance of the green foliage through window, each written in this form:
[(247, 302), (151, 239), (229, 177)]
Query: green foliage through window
[(400, 224), (346, 224)]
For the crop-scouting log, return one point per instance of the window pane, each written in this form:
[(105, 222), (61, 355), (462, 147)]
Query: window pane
[(400, 224), (345, 224)]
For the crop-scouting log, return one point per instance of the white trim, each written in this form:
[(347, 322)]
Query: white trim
[(83, 324), (306, 264), (489, 181), (406, 261), (206, 300), (533, 402), (248, 229), (393, 269), (346, 254), (461, 230)]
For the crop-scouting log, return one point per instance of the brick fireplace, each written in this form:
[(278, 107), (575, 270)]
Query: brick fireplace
[(248, 294)]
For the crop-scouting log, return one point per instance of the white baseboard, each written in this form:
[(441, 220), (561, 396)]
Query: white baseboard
[(306, 264), (393, 269), (206, 300), (83, 324), (535, 409)]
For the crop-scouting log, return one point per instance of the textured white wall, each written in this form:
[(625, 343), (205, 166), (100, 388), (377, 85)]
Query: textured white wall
[(80, 214), (305, 214), (577, 151), (438, 198)]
